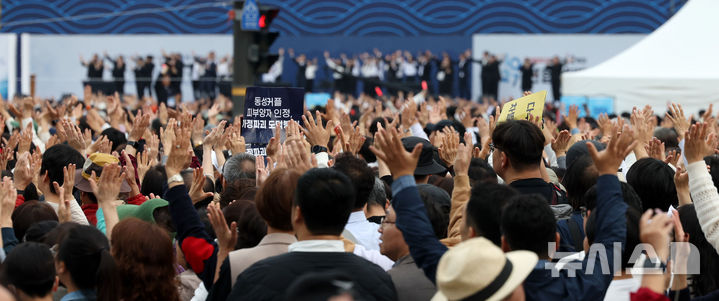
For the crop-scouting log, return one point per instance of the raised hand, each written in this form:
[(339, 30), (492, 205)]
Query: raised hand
[(560, 144), (655, 149), (354, 142), (213, 137), (6, 156), (464, 156), (226, 236), (681, 123), (8, 195), (23, 174), (298, 156), (605, 125), (197, 192), (699, 143), (198, 130), (63, 210), (25, 140), (167, 136), (273, 146), (655, 228), (234, 140), (609, 160), (388, 148), (107, 187), (681, 181), (68, 182), (315, 132), (144, 162), (572, 116), (180, 154), (142, 121), (129, 171), (450, 143)]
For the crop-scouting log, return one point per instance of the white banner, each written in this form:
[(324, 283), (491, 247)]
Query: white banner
[(580, 50)]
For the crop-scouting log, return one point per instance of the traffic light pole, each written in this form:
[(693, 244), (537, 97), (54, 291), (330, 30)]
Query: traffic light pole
[(251, 53)]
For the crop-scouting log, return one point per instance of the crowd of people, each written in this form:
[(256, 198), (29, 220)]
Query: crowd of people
[(404, 198), (209, 75), (402, 71), (372, 73)]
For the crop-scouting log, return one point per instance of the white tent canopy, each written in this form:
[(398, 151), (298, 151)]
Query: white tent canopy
[(679, 62)]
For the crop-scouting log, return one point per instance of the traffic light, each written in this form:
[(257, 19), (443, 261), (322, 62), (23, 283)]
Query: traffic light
[(252, 56)]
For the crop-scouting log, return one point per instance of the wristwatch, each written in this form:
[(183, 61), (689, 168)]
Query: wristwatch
[(319, 149), (175, 178)]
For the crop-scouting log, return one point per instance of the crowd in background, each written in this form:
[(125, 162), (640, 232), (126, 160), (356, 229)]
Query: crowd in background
[(372, 73), (210, 76), (401, 197)]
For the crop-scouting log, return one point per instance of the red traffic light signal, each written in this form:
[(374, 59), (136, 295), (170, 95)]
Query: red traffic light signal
[(262, 22)]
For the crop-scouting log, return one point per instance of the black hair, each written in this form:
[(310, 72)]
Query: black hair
[(57, 157), (324, 200), (373, 125), (39, 231), (30, 268), (580, 176), (653, 180), (83, 125), (366, 153), (361, 175), (708, 281), (529, 224), (29, 213), (155, 178), (632, 235), (116, 137), (437, 203), (481, 172), (86, 254), (521, 141), (484, 209), (629, 195), (713, 162)]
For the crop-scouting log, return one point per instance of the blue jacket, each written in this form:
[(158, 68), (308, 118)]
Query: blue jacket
[(611, 228), (412, 220)]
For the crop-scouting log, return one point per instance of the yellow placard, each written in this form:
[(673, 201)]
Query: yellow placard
[(520, 108)]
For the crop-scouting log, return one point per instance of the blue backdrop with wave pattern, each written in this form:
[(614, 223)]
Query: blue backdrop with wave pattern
[(341, 17)]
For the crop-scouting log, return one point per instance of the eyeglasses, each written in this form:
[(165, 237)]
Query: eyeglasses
[(493, 147), (383, 221), (584, 211)]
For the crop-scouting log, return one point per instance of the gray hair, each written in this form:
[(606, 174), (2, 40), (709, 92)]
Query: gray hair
[(235, 167), (378, 195)]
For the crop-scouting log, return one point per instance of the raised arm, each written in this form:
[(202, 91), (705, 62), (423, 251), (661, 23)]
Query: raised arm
[(412, 217), (610, 211), (199, 249), (698, 144)]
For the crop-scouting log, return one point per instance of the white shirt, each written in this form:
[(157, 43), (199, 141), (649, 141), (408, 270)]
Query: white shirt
[(76, 213), (619, 289), (409, 69), (365, 232), (310, 71), (223, 69), (317, 246), (374, 256), (369, 70)]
